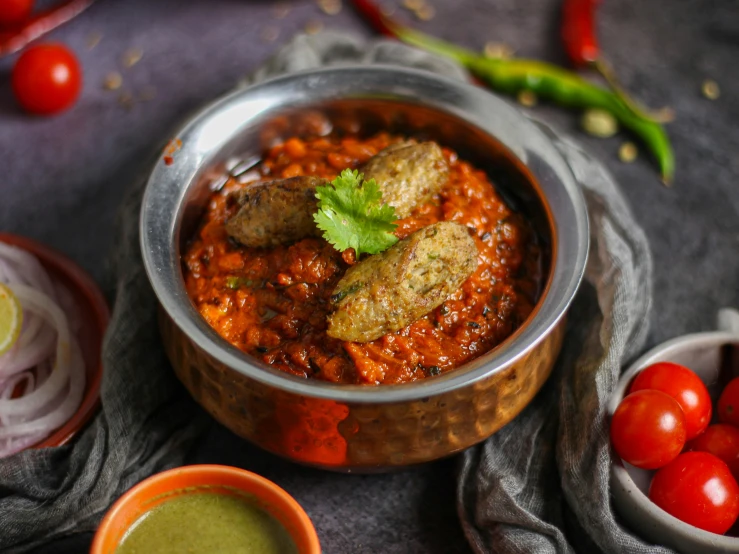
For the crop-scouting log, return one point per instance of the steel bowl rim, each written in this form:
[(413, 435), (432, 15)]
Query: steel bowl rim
[(163, 268)]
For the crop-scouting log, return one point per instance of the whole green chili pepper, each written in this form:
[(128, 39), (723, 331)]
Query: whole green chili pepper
[(554, 83)]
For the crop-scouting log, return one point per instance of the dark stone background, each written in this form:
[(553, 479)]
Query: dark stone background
[(62, 178)]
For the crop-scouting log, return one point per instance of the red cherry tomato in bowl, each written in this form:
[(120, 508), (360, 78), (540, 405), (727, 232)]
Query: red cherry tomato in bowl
[(684, 386), (728, 403), (46, 79), (722, 441), (14, 12), (697, 488), (648, 429)]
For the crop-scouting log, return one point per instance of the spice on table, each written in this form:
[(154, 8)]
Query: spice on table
[(581, 45), (425, 13), (710, 89), (42, 22), (149, 93), (497, 50), (132, 56), (93, 39), (313, 27), (527, 98), (330, 7), (413, 5), (627, 152), (270, 34), (281, 10), (599, 123), (545, 80), (125, 99), (113, 81)]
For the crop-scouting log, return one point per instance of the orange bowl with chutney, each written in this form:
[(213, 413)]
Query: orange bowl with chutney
[(206, 508), (395, 358)]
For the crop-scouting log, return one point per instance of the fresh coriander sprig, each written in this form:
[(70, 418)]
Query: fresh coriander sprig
[(351, 214)]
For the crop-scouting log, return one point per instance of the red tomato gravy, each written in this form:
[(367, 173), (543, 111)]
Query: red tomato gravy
[(273, 303)]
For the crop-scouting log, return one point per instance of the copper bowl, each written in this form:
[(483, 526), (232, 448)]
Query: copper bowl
[(363, 428)]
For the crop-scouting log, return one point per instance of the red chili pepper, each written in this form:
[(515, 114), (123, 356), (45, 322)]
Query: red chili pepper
[(39, 24), (578, 31), (581, 45), (372, 14)]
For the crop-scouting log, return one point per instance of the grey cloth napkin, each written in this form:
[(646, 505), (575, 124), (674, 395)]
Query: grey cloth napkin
[(146, 423), (539, 485)]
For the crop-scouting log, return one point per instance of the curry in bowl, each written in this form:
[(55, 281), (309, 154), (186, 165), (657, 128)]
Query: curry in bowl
[(258, 334), (465, 273)]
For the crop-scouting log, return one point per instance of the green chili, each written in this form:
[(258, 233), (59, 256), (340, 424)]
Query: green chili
[(548, 81)]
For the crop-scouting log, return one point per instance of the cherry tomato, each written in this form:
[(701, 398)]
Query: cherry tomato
[(697, 488), (728, 403), (648, 429), (722, 441), (14, 12), (46, 79), (685, 387)]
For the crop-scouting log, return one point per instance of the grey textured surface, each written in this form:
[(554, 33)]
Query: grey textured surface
[(62, 179)]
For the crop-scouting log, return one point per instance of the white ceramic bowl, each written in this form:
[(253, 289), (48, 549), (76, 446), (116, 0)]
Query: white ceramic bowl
[(630, 485)]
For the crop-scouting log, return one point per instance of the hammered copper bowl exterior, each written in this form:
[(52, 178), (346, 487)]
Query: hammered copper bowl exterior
[(353, 427), (359, 437)]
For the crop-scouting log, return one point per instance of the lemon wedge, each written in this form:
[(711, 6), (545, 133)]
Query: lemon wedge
[(11, 319)]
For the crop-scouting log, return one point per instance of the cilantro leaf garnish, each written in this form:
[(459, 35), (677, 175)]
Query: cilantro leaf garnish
[(351, 214)]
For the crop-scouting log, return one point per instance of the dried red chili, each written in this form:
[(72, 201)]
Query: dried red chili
[(14, 39), (578, 31), (581, 44), (372, 15)]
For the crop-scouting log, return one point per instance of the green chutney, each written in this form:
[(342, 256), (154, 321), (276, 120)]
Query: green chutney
[(207, 523)]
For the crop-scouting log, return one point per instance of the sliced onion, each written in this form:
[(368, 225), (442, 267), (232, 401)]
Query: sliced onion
[(43, 370), (46, 359), (59, 415), (68, 306), (7, 388), (30, 355), (42, 305), (27, 268), (32, 325), (11, 446)]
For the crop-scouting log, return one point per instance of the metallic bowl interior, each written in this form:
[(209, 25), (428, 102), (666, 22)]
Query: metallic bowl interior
[(346, 427)]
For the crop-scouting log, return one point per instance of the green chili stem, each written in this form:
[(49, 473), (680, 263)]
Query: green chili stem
[(551, 82)]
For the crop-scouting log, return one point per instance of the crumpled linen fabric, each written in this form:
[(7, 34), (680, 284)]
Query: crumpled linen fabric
[(538, 485), (146, 423)]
